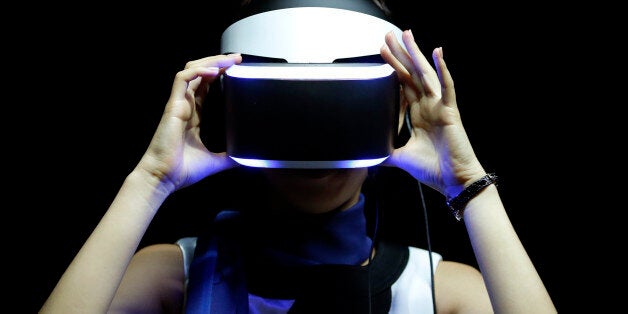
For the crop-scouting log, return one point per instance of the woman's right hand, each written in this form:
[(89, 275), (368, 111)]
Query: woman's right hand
[(176, 156)]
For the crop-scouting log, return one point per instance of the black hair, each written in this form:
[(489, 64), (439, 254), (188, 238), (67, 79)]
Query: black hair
[(381, 4)]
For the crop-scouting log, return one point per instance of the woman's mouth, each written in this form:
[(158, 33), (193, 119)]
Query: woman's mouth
[(309, 173)]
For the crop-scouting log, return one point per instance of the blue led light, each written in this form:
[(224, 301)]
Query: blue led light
[(304, 164), (339, 72)]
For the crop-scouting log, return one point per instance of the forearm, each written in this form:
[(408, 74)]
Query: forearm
[(512, 281), (90, 282)]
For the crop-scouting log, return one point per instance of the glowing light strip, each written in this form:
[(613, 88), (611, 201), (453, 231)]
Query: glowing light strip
[(310, 72), (315, 164)]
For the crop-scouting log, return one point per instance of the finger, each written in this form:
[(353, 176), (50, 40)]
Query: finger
[(425, 72), (444, 77), (219, 61), (403, 110), (200, 87), (184, 78), (396, 56), (412, 90)]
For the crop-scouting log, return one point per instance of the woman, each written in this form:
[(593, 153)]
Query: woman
[(108, 275)]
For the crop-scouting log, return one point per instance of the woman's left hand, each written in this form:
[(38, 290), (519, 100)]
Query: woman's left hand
[(438, 152)]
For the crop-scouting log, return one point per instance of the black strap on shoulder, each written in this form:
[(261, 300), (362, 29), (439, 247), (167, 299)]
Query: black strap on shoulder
[(333, 288)]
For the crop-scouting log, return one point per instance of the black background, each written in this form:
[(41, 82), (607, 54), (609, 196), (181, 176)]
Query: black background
[(94, 81)]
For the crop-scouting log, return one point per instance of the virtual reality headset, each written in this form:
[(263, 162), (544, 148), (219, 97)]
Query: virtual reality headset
[(312, 90)]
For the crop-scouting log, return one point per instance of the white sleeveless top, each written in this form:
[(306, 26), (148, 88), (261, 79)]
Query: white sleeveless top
[(411, 293)]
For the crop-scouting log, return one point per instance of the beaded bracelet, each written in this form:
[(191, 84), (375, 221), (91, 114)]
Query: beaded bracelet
[(458, 203)]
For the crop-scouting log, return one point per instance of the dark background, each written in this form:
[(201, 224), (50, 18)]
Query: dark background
[(94, 84)]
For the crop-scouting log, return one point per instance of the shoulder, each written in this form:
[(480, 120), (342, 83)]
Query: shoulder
[(166, 255), (154, 279), (421, 263), (460, 287), (159, 261), (418, 255), (412, 292), (457, 287)]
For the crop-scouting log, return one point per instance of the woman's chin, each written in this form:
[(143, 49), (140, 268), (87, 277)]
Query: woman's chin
[(316, 190)]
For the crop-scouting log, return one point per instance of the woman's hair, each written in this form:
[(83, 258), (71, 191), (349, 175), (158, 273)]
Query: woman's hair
[(380, 3)]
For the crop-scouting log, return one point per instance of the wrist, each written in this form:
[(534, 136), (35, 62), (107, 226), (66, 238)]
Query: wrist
[(463, 181), (140, 176), (458, 202)]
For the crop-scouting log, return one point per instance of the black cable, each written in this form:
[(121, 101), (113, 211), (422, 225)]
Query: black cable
[(429, 246), (427, 227)]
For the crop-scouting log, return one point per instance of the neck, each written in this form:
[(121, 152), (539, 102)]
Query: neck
[(296, 238)]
